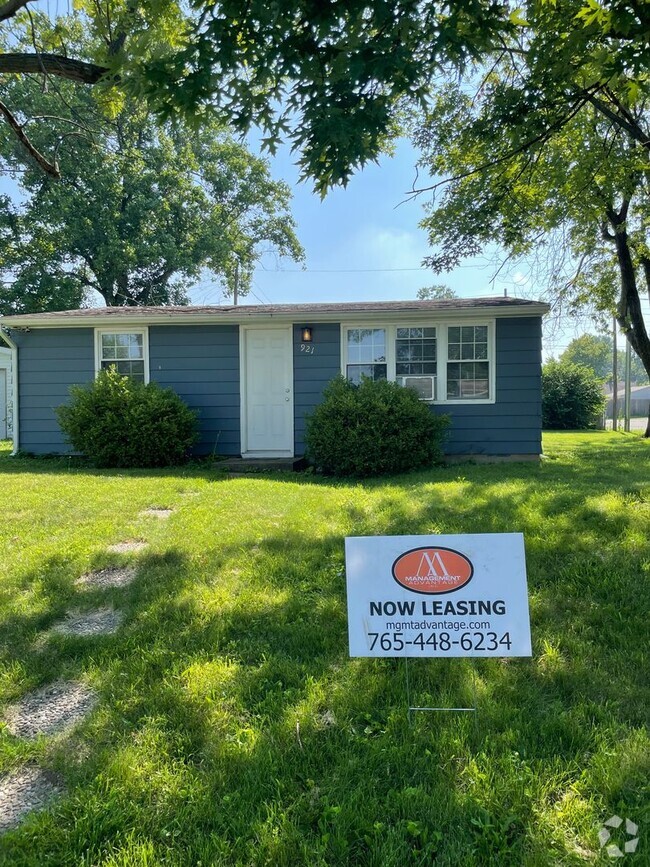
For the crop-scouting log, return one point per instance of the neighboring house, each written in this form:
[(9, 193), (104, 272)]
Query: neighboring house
[(5, 393), (639, 400), (254, 373)]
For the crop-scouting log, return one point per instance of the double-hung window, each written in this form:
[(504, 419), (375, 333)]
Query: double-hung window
[(126, 351), (444, 363), (468, 366), (366, 354), (416, 360)]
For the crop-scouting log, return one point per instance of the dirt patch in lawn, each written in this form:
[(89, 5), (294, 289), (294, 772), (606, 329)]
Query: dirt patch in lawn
[(131, 546), (27, 789), (115, 576), (86, 624), (51, 709), (161, 514)]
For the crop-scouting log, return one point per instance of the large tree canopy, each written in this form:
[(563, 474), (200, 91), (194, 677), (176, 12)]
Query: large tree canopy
[(329, 77), (141, 210), (326, 76), (547, 148)]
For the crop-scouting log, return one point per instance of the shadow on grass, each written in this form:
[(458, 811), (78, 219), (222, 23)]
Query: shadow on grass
[(235, 730)]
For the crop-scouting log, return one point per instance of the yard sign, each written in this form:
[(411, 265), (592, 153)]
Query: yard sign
[(421, 596)]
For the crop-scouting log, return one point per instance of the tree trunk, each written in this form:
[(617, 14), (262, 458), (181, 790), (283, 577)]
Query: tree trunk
[(629, 313)]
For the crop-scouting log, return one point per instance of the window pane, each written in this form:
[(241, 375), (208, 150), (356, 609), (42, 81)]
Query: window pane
[(373, 371), (454, 334), (402, 333), (480, 350), (480, 333), (429, 350), (453, 371), (453, 389), (467, 333), (454, 351), (403, 350), (136, 347), (467, 350), (429, 332), (467, 370)]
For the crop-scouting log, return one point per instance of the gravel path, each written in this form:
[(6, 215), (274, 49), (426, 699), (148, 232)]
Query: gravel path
[(87, 624), (132, 546), (29, 788), (51, 709), (157, 513), (113, 577)]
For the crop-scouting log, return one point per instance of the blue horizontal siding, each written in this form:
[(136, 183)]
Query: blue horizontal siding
[(513, 424), (50, 360), (201, 363), (312, 372)]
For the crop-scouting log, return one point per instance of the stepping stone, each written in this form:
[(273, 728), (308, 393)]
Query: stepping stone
[(51, 709), (86, 624), (22, 791), (161, 514), (127, 547), (114, 576)]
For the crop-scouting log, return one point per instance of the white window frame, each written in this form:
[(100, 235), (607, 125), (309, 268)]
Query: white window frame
[(441, 351), (491, 359), (145, 346)]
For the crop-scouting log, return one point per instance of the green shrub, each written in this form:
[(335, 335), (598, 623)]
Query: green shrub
[(116, 422), (572, 396), (373, 428)]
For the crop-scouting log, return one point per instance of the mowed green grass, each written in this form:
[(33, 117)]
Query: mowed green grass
[(233, 729)]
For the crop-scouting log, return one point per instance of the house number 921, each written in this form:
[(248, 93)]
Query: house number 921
[(308, 348)]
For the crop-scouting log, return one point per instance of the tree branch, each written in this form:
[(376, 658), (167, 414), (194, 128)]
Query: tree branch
[(632, 128), (9, 9), (53, 64), (51, 169)]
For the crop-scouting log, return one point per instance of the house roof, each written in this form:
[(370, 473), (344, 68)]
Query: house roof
[(453, 308)]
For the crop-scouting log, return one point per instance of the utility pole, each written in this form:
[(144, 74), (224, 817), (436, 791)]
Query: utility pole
[(615, 376)]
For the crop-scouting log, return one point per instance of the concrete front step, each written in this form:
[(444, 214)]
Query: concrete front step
[(244, 466)]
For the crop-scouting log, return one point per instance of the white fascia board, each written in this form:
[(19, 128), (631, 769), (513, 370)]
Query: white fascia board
[(297, 318)]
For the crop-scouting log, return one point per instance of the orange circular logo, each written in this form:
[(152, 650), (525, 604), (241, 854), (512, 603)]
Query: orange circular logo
[(433, 570)]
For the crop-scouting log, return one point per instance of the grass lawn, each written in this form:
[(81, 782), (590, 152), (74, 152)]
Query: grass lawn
[(233, 729)]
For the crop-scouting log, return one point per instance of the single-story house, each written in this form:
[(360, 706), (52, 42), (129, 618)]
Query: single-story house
[(639, 400), (5, 392), (255, 372)]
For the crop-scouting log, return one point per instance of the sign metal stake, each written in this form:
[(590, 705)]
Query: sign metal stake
[(412, 709)]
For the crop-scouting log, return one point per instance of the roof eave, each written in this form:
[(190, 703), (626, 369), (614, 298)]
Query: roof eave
[(100, 321)]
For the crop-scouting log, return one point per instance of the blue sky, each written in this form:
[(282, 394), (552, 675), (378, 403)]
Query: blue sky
[(362, 243)]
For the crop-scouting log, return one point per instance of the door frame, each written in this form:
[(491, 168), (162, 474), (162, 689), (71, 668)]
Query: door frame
[(243, 391)]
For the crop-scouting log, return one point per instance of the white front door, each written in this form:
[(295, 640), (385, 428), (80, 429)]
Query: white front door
[(267, 401)]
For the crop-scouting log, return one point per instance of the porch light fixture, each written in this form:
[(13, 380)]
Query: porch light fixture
[(307, 334)]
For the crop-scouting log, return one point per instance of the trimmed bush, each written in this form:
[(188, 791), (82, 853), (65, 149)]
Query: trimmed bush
[(117, 422), (373, 428), (572, 396)]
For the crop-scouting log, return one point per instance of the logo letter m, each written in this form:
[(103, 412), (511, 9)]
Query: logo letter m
[(432, 566)]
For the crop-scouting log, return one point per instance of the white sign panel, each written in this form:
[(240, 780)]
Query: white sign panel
[(462, 595)]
